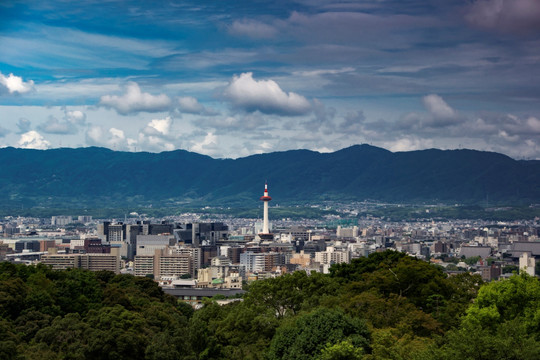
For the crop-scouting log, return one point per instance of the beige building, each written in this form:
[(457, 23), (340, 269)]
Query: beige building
[(165, 263), (304, 260), (92, 262), (527, 263)]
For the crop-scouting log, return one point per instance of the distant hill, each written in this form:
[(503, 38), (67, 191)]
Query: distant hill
[(87, 177)]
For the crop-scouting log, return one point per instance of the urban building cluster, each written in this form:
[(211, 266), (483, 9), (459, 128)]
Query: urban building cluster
[(193, 259)]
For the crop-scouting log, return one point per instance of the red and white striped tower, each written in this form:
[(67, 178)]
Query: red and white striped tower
[(265, 234)]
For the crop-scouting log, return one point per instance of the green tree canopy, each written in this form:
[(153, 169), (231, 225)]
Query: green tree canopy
[(305, 336)]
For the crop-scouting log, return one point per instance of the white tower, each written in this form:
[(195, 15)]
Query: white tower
[(265, 234)]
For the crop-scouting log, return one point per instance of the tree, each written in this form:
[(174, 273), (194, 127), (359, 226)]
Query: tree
[(499, 301), (289, 293), (344, 350), (305, 336)]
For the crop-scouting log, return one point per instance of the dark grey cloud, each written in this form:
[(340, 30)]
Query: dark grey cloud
[(520, 17), (323, 117)]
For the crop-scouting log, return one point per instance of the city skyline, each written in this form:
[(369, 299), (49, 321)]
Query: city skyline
[(234, 79)]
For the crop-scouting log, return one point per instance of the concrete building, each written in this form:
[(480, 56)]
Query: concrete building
[(143, 265), (348, 232), (332, 256), (148, 244), (527, 263), (165, 263), (92, 262), (252, 262), (61, 220)]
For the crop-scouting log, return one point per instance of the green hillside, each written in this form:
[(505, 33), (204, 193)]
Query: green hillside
[(97, 177)]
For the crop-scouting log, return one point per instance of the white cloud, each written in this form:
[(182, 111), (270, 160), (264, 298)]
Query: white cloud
[(76, 117), (160, 127), (111, 138), (321, 72), (156, 136), (15, 84), (409, 144), (69, 125), (208, 146), (33, 140), (55, 126), (253, 29), (265, 96), (190, 105), (438, 107), (134, 101), (533, 124)]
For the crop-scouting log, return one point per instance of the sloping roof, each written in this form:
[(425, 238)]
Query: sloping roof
[(202, 292), (520, 247), (470, 251)]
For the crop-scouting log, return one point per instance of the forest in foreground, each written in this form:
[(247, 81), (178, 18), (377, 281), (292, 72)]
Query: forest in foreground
[(385, 306)]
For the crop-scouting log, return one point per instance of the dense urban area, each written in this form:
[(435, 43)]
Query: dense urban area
[(195, 286)]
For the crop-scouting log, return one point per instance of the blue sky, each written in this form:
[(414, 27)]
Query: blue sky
[(235, 78)]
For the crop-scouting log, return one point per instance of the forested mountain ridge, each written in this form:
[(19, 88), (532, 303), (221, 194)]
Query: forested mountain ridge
[(385, 306), (90, 176)]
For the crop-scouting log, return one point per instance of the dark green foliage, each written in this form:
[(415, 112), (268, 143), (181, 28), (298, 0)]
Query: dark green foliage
[(305, 336), (288, 294), (411, 308), (78, 314), (357, 267)]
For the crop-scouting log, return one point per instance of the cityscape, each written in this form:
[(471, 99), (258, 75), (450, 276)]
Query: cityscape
[(193, 259), (270, 180)]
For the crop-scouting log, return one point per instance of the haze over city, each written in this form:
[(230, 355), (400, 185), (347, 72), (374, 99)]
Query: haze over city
[(230, 79)]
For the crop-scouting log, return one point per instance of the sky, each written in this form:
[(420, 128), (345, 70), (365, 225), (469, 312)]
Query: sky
[(230, 79)]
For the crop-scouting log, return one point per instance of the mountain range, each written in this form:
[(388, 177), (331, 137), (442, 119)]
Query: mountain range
[(86, 177)]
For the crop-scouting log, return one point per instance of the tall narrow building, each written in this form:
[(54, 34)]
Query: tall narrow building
[(265, 234)]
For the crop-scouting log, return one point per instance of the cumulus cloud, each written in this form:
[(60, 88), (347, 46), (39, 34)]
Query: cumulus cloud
[(247, 122), (438, 115), (190, 105), (265, 96), (322, 117), (512, 16), (438, 107), (23, 125), (252, 29), (159, 127), (75, 117), (156, 136), (352, 122), (134, 101), (15, 84), (55, 126), (33, 140), (68, 125), (111, 138), (409, 144), (207, 146)]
